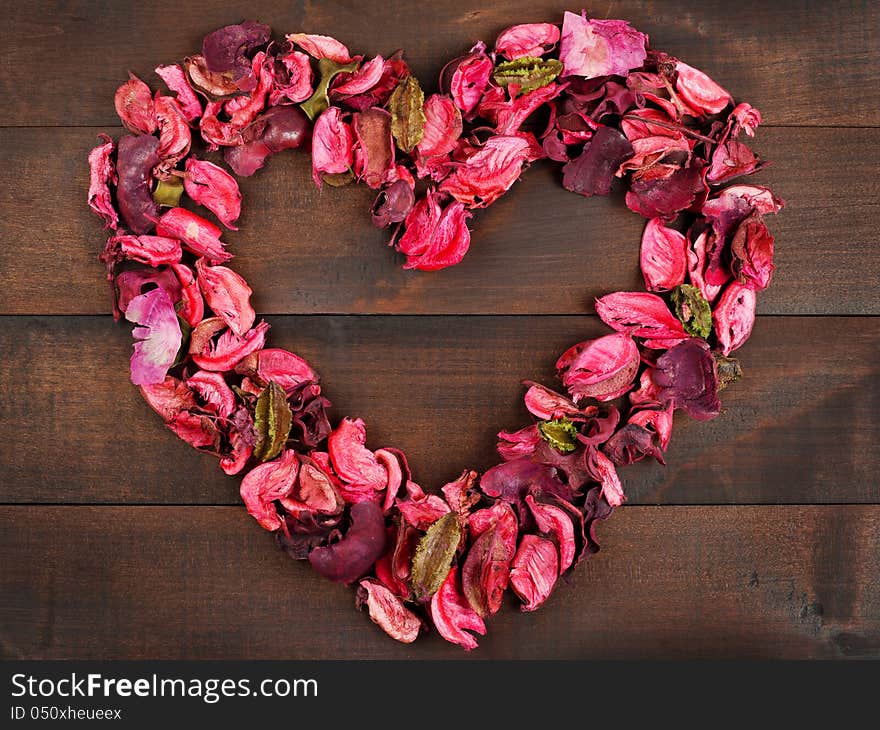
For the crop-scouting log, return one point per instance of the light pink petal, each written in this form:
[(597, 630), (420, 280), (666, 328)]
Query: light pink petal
[(641, 314), (364, 79), (592, 48), (321, 46), (175, 79), (388, 611), (534, 570), (227, 294), (211, 186), (158, 337), (332, 143), (528, 39), (698, 91), (102, 174), (266, 483)]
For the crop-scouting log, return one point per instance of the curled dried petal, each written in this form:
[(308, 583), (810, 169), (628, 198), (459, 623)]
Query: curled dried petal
[(102, 174), (229, 348), (321, 46), (135, 160), (421, 510), (442, 126), (688, 378), (555, 521), (211, 186), (663, 256), (197, 234), (452, 615), (134, 105), (227, 294), (435, 238), (534, 570), (157, 339), (487, 174), (592, 172), (266, 483), (388, 611), (361, 546), (374, 150), (174, 135), (641, 314), (603, 369), (393, 204), (213, 391), (592, 48), (354, 463), (486, 569), (469, 80), (191, 307), (701, 93), (151, 250), (226, 49), (752, 252), (528, 39), (175, 79), (332, 145), (734, 316), (602, 470)]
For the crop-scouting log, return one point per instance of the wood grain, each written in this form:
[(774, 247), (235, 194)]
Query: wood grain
[(538, 250), (800, 64), (671, 582), (801, 427)]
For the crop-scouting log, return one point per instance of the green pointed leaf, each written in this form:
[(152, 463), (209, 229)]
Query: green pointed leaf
[(693, 310), (560, 433), (407, 113), (319, 101), (433, 556), (168, 192), (528, 72), (272, 420)]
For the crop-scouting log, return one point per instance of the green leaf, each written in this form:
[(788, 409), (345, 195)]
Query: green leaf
[(407, 113), (433, 556), (693, 310), (560, 433), (168, 192), (528, 72), (272, 420), (318, 102)]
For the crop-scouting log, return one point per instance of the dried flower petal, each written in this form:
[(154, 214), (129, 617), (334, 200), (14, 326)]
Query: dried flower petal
[(175, 79), (407, 114), (701, 93), (135, 160), (734, 316), (460, 494), (666, 197), (603, 369), (442, 126), (534, 570), (486, 569), (469, 79), (641, 314), (213, 392), (663, 256), (226, 49), (157, 339), (354, 463), (602, 470), (747, 119), (688, 378), (553, 520), (488, 173), (419, 509), (434, 555), (592, 172), (364, 542), (752, 251), (223, 354), (529, 39), (102, 174), (174, 134), (227, 294), (151, 250), (452, 615), (374, 150), (321, 46), (692, 310), (393, 204), (388, 611), (435, 238), (332, 142), (211, 186), (266, 483), (290, 371), (195, 233), (191, 307), (134, 105), (592, 48)]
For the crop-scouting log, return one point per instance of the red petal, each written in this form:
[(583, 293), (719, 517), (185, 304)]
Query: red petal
[(534, 571), (663, 256)]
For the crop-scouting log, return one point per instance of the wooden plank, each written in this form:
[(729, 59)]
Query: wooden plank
[(670, 582), (800, 428), (539, 250), (799, 66)]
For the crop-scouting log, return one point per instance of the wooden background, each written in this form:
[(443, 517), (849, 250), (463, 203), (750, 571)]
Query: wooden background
[(761, 538)]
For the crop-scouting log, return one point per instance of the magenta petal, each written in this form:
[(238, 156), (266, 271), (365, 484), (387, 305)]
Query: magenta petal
[(528, 39), (734, 316), (603, 369), (332, 145), (534, 570), (102, 174), (663, 256), (641, 314), (158, 337), (489, 172), (211, 186), (592, 48)]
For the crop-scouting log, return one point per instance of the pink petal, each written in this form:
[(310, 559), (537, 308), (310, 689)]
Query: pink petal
[(214, 392), (663, 256), (641, 314), (442, 126), (700, 92), (452, 615), (134, 105), (529, 39), (174, 134), (227, 294), (362, 80), (602, 470), (175, 79), (354, 463), (102, 174), (388, 611), (228, 350), (195, 233), (592, 48), (534, 570), (489, 172), (554, 520), (158, 337), (332, 142), (321, 46), (734, 316), (603, 369), (434, 238), (211, 186), (266, 483)]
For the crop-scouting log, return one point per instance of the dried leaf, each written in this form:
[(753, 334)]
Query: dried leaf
[(433, 556), (168, 192), (272, 421), (328, 68), (560, 433), (693, 310), (528, 73), (407, 113)]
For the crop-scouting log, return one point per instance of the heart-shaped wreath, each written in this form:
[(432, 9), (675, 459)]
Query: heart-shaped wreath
[(592, 96)]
